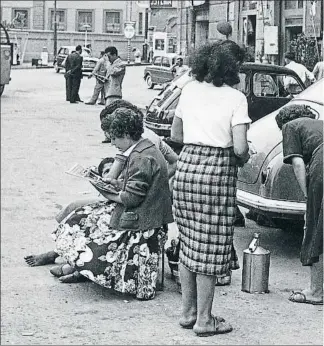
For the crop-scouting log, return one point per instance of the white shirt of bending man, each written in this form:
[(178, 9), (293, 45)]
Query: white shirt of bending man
[(303, 73)]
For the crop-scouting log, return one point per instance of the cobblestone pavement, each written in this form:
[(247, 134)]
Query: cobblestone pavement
[(41, 136)]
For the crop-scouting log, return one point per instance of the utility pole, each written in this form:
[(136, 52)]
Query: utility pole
[(55, 30)]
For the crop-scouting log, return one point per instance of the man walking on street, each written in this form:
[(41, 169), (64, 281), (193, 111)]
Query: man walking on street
[(115, 76), (99, 71), (73, 75)]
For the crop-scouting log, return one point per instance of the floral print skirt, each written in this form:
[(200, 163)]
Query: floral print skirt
[(125, 261)]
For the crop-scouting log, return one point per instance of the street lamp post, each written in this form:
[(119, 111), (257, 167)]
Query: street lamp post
[(86, 27), (55, 30)]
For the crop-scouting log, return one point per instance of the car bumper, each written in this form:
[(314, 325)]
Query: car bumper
[(249, 200)]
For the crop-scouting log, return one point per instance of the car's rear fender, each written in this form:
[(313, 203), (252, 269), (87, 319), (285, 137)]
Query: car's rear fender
[(278, 181)]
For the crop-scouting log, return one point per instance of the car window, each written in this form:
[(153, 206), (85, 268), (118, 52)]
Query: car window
[(289, 85), (166, 62), (157, 61), (265, 85), (66, 51)]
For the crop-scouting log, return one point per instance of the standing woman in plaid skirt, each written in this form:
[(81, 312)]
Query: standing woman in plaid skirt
[(212, 121)]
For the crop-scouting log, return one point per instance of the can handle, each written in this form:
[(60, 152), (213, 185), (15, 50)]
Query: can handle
[(255, 242)]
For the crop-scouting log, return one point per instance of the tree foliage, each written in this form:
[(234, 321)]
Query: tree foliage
[(305, 50)]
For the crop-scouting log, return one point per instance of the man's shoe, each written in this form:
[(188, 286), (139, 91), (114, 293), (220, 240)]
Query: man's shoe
[(106, 141), (89, 103), (73, 102), (80, 100), (101, 103)]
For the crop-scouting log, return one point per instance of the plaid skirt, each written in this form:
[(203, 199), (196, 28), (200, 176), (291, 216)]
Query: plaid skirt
[(204, 201)]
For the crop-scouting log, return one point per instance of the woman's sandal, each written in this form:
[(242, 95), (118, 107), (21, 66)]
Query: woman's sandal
[(299, 297), (219, 328), (59, 271), (73, 278), (190, 325)]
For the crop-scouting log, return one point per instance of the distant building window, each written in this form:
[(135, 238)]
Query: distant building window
[(112, 22), (249, 4), (20, 18), (85, 21), (61, 20), (293, 4), (140, 23)]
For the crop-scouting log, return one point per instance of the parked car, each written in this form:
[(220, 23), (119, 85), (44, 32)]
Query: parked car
[(262, 84), (6, 56), (89, 62), (265, 183), (160, 70)]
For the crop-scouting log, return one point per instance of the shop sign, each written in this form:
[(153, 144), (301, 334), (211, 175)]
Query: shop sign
[(160, 3), (129, 30), (271, 40)]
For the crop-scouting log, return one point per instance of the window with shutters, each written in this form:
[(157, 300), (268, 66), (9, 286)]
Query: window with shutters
[(61, 20), (85, 20), (112, 23), (293, 4), (140, 23), (20, 18)]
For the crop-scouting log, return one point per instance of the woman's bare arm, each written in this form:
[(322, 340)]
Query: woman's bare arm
[(300, 172), (241, 147), (177, 130)]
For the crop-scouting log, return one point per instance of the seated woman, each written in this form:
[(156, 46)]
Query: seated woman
[(116, 245), (106, 117)]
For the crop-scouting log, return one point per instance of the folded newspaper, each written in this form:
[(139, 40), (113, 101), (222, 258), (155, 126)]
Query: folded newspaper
[(95, 179)]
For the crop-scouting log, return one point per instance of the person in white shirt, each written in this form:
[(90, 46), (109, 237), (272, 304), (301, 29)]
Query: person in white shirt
[(318, 71), (304, 74), (179, 68), (211, 120)]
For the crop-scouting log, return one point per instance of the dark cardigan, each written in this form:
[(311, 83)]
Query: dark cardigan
[(145, 193)]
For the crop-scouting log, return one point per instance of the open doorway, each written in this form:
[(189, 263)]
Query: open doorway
[(249, 35), (291, 34)]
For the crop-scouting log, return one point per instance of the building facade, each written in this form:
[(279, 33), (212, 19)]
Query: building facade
[(99, 23), (264, 27)]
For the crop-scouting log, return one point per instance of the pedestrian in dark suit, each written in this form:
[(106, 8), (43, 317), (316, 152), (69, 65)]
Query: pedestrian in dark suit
[(73, 75)]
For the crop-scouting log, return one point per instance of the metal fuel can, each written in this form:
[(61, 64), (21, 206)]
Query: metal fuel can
[(256, 265)]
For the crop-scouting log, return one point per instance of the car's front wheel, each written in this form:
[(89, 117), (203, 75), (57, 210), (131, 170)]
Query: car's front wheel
[(56, 68), (149, 82)]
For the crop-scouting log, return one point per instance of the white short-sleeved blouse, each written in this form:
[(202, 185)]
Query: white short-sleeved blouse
[(208, 113)]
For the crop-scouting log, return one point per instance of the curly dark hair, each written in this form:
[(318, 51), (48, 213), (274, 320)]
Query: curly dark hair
[(125, 121), (218, 63), (103, 162), (293, 112), (118, 104)]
